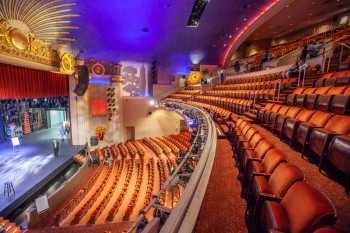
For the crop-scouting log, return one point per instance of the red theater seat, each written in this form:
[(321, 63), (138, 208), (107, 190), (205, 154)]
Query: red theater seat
[(302, 209), (320, 137)]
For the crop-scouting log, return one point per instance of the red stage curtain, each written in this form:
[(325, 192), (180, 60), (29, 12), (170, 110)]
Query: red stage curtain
[(18, 82)]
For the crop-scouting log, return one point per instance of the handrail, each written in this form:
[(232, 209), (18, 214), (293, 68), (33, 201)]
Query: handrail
[(192, 191), (184, 216)]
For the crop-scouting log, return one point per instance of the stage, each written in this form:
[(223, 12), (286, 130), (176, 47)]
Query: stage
[(30, 163)]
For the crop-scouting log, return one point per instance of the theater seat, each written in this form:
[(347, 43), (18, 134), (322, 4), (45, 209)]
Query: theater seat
[(276, 184), (266, 165), (292, 113), (267, 114), (318, 119), (339, 155), (257, 153), (282, 111), (302, 209), (320, 137), (292, 123)]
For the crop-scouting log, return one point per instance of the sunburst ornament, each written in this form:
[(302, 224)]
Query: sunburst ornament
[(47, 20)]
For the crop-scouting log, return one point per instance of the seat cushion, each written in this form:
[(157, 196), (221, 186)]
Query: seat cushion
[(340, 104), (273, 217)]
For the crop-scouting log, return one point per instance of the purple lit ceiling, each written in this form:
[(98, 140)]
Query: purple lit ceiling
[(143, 30)]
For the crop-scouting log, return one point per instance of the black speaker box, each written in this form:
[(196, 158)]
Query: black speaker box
[(83, 80)]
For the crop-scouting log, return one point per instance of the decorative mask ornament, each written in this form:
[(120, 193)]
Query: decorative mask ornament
[(194, 78)]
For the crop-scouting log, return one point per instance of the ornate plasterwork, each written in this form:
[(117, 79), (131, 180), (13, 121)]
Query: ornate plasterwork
[(15, 43)]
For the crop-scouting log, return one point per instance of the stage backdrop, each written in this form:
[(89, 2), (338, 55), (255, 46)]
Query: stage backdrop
[(18, 82)]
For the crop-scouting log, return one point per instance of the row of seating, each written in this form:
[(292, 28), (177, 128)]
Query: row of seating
[(278, 197), (273, 75), (231, 104), (92, 199), (108, 195), (264, 94), (118, 155), (322, 133), (166, 150), (140, 147), (334, 99), (181, 96), (154, 146), (67, 208), (150, 183), (8, 227), (118, 202), (334, 79), (171, 145), (256, 85), (136, 192), (162, 178), (132, 149)]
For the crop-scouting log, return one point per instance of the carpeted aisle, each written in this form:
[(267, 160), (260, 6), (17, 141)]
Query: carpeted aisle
[(223, 208)]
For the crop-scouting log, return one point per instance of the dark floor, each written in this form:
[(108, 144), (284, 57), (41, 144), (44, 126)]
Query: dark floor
[(223, 208), (332, 189), (31, 162)]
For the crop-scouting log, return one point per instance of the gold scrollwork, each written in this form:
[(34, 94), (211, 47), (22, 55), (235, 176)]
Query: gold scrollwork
[(15, 43)]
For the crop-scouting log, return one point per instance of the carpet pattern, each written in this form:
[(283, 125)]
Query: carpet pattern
[(223, 208)]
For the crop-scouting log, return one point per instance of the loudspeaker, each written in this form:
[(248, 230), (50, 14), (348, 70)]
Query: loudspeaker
[(83, 80)]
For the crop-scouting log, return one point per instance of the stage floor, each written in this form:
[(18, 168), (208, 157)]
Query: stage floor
[(31, 162)]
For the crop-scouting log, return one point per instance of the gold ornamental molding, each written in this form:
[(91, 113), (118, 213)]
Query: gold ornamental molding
[(15, 43), (46, 20), (35, 30)]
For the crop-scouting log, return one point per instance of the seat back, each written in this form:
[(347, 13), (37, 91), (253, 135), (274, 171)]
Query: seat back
[(340, 104), (283, 177), (320, 118), (339, 153), (272, 159), (283, 110), (322, 90), (336, 90), (292, 112), (255, 140), (275, 108), (338, 124), (299, 90), (323, 102), (268, 106), (307, 208), (304, 115), (261, 149)]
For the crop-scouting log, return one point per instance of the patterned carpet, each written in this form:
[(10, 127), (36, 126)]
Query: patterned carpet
[(223, 208)]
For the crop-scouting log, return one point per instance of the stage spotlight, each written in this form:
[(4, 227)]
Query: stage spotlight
[(152, 102)]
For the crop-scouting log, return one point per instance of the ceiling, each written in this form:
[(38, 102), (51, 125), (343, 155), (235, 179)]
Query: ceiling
[(144, 30), (298, 15)]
